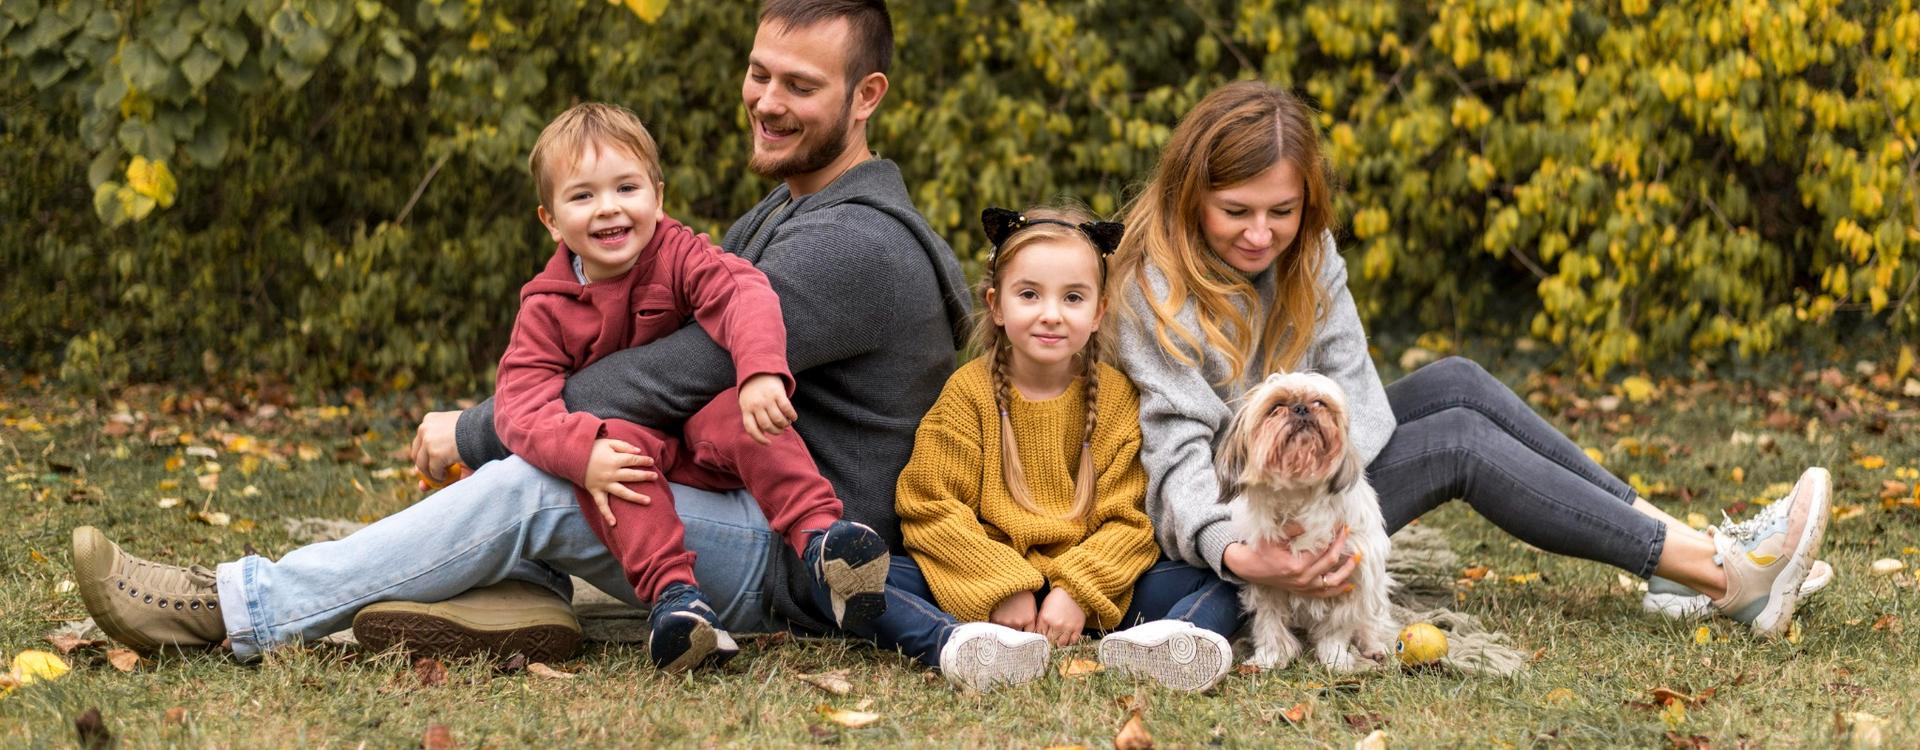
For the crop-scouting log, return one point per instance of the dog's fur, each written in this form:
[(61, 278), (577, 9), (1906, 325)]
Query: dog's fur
[(1286, 456)]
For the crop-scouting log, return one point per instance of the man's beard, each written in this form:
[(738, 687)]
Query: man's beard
[(811, 157)]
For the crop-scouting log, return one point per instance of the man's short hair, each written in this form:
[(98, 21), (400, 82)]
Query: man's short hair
[(585, 126), (871, 27)]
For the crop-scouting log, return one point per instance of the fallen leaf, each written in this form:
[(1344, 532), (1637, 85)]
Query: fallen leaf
[(550, 673), (1861, 729), (1364, 722), (1066, 747), (1559, 696), (176, 716), (1738, 474), (1665, 695), (1892, 490), (1887, 566), (213, 518), (514, 663), (1133, 735), (1524, 578), (33, 665), (1377, 740), (430, 672), (1677, 741), (1078, 667), (1871, 463), (1246, 670), (1475, 573), (846, 718), (834, 682), (1885, 622), (821, 734), (1848, 512), (1793, 633), (1674, 714), (65, 642), (123, 659), (1297, 713), (1702, 635), (1904, 364), (92, 730), (438, 737), (1698, 521), (168, 502), (174, 463)]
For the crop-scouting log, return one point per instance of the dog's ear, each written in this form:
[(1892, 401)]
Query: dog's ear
[(1350, 470), (1230, 459)]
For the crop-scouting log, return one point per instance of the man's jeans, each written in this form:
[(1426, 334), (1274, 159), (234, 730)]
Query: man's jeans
[(507, 520)]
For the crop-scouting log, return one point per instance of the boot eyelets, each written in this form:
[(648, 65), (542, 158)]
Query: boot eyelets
[(148, 600), (195, 607), (121, 585), (163, 603)]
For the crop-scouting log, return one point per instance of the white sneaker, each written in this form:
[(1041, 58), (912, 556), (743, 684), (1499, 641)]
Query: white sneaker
[(981, 656), (1768, 557), (1175, 653), (1669, 599)]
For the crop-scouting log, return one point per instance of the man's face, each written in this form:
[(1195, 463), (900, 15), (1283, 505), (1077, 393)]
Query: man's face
[(797, 98)]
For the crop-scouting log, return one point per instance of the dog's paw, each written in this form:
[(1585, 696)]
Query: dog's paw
[(1339, 657), (1265, 659)]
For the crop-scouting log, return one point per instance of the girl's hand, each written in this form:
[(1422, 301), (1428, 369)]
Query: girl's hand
[(612, 464), (1060, 619), (764, 407), (1016, 611), (1317, 573)]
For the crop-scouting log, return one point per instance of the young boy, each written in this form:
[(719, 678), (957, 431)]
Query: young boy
[(625, 274)]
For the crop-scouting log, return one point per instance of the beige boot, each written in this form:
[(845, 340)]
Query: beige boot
[(144, 604), (509, 617)]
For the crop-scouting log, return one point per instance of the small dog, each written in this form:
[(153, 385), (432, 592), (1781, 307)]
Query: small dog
[(1286, 458)]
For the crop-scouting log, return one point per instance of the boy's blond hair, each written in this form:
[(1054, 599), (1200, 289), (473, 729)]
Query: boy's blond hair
[(584, 126)]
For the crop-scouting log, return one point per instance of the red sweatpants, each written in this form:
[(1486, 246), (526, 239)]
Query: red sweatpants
[(715, 453)]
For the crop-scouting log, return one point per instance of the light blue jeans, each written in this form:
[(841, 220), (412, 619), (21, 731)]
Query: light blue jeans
[(507, 520)]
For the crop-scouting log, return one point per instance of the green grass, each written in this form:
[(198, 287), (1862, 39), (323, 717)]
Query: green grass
[(1589, 634)]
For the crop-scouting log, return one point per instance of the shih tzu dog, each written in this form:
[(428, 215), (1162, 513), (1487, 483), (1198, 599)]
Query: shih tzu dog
[(1286, 457)]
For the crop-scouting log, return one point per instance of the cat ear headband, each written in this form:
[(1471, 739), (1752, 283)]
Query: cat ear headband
[(1001, 223)]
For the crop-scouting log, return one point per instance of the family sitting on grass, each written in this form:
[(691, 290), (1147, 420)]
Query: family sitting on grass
[(646, 431)]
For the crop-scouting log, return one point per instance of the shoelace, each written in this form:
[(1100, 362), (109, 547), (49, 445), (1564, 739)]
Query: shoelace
[(1745, 530)]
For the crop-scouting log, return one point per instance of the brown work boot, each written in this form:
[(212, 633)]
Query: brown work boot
[(509, 617), (144, 604)]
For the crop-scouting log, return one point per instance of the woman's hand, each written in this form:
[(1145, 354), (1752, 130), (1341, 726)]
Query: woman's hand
[(1016, 611), (1060, 619), (1317, 573)]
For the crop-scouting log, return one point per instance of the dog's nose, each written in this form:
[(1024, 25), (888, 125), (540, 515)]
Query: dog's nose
[(1299, 410)]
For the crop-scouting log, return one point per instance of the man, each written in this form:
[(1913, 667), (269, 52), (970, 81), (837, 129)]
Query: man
[(875, 307)]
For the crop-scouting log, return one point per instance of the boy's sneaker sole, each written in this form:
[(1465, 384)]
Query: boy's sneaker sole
[(1190, 659), (510, 617), (853, 565), (686, 640)]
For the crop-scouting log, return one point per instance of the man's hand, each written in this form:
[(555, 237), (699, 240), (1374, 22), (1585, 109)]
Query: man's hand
[(1016, 611), (612, 464), (1317, 573), (433, 448), (1060, 619), (764, 407)]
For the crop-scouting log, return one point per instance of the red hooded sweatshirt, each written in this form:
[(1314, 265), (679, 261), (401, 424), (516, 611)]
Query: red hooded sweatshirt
[(564, 325)]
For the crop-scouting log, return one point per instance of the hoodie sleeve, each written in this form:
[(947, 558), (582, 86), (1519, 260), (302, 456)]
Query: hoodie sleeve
[(530, 418), (736, 306)]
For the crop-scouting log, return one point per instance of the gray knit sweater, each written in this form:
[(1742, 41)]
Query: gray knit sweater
[(1182, 412), (875, 307)]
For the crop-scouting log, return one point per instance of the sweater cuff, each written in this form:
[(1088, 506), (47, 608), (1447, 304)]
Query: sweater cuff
[(746, 368), (474, 437), (1213, 540)]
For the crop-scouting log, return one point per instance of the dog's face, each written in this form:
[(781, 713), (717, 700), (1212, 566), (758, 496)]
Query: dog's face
[(1289, 434)]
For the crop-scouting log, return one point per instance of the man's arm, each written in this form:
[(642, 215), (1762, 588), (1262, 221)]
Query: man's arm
[(836, 297)]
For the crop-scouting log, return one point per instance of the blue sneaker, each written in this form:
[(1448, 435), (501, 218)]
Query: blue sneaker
[(686, 631), (848, 565)]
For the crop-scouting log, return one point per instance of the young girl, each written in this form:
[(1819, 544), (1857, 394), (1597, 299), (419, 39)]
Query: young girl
[(1229, 272), (1021, 507)]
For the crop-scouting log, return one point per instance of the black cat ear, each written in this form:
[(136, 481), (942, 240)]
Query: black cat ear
[(1001, 223), (1105, 235)]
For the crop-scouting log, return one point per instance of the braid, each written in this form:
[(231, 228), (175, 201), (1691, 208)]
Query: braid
[(1010, 469), (1083, 481)]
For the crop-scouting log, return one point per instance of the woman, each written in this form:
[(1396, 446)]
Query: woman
[(1228, 272)]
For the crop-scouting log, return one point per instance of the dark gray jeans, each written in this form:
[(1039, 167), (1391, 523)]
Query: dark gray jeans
[(1464, 434)]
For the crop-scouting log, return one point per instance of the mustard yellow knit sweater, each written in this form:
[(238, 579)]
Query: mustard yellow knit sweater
[(976, 546)]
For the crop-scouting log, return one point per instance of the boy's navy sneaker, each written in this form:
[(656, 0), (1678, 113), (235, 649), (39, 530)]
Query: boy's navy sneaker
[(686, 631), (848, 564)]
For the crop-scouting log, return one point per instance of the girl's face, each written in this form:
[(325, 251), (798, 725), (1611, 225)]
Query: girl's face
[(1249, 224), (1048, 302)]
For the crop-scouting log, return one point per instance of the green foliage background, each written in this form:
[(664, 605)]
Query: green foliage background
[(335, 189)]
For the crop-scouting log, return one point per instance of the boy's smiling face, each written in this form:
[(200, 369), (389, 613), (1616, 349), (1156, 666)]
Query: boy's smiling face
[(606, 207)]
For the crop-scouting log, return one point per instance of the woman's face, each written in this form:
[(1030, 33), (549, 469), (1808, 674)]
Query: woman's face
[(1249, 224)]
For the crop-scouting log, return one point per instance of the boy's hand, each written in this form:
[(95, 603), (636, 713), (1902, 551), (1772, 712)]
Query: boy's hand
[(764, 407), (612, 464), (1016, 611), (1060, 619)]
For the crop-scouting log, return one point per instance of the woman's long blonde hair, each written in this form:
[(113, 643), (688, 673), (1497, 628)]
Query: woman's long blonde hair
[(991, 341), (1237, 132)]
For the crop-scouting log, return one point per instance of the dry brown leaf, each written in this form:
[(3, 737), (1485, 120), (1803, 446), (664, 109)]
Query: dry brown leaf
[(123, 659), (1886, 622), (1133, 735), (438, 737), (176, 716), (65, 642), (1364, 722), (543, 670), (430, 672), (1892, 490), (1078, 667), (1246, 670), (834, 682), (847, 718)]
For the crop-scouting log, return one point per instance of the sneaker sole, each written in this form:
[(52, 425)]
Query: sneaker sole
[(93, 557), (1777, 618), (983, 664), (411, 628), (698, 642), (1179, 661), (855, 571), (1676, 605)]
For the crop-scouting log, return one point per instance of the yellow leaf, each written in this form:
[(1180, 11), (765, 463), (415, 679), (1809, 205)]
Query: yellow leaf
[(34, 555), (1639, 389), (213, 518), (1674, 714), (1697, 520), (1793, 633), (846, 718), (1524, 578), (1871, 463), (175, 462), (151, 179), (1596, 455), (1848, 512), (1078, 667), (1559, 695), (33, 665), (1702, 636), (1739, 474), (648, 10), (1905, 363)]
